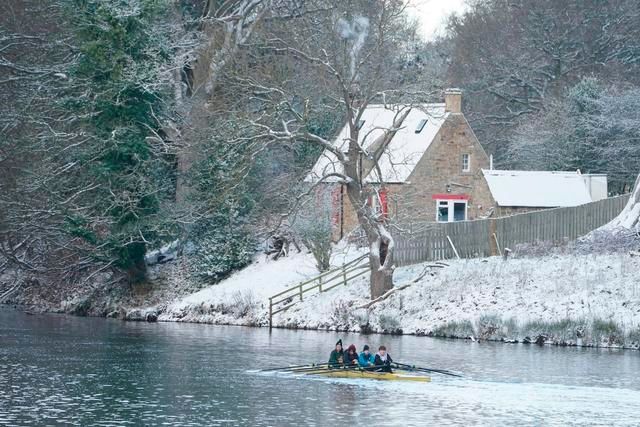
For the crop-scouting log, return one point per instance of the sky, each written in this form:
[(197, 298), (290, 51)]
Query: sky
[(432, 14)]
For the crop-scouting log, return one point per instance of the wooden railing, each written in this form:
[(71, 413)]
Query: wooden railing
[(323, 283)]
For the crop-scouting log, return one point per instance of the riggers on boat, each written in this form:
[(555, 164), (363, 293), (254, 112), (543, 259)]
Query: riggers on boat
[(397, 375), (402, 372)]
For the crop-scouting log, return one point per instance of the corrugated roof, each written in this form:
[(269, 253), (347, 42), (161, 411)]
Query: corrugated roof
[(403, 152), (540, 189)]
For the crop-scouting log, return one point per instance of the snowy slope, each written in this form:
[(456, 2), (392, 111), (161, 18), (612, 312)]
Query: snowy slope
[(251, 286), (488, 298)]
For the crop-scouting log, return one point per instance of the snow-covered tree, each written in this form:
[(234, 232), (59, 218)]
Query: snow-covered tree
[(538, 50), (593, 128), (629, 218), (345, 57)]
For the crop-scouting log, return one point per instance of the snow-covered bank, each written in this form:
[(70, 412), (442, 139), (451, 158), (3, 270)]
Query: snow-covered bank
[(565, 299), (241, 299)]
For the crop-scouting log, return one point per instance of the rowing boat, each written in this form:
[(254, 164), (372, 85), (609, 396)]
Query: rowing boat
[(363, 374)]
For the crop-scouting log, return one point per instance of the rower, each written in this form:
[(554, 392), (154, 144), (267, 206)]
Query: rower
[(366, 358), (383, 360), (351, 356), (336, 358)]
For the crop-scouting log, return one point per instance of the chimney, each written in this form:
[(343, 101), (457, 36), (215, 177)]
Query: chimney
[(453, 100)]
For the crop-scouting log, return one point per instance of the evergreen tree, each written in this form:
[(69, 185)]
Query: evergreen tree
[(118, 101)]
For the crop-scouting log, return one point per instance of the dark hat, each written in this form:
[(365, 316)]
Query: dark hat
[(365, 348), (339, 342)]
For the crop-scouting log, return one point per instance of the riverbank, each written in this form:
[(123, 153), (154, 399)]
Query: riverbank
[(585, 300), (566, 298)]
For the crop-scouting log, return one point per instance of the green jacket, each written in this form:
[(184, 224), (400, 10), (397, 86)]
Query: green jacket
[(336, 358)]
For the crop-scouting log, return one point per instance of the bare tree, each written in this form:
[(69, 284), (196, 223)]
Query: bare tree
[(538, 48), (351, 54), (595, 129), (223, 28)]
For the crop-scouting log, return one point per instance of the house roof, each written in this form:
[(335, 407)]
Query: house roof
[(403, 152), (537, 188)]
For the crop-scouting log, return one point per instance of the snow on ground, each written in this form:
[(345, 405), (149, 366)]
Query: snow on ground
[(234, 300), (572, 299), (524, 290)]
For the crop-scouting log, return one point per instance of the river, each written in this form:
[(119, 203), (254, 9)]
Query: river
[(84, 371)]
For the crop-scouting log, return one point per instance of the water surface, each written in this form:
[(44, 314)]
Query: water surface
[(83, 371)]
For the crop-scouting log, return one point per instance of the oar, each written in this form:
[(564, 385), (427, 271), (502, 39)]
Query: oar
[(286, 368), (418, 368), (324, 368)]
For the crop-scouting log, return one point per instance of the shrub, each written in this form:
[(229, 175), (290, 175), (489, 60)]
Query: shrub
[(340, 315), (220, 249), (243, 303), (314, 227), (389, 323), (462, 329), (488, 326)]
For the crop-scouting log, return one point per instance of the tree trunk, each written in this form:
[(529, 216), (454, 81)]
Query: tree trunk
[(629, 218), (381, 279), (380, 240)]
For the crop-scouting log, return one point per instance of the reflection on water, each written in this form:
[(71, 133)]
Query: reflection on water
[(58, 369)]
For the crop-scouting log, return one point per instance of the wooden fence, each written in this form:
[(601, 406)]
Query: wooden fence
[(322, 283), (487, 237)]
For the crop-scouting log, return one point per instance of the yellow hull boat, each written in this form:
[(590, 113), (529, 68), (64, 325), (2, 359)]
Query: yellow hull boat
[(360, 373)]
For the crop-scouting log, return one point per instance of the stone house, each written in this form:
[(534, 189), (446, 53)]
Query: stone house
[(434, 169)]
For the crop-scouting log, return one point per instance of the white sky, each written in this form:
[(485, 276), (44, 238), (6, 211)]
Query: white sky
[(432, 14)]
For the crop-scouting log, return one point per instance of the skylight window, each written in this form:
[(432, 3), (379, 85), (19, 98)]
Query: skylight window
[(421, 125)]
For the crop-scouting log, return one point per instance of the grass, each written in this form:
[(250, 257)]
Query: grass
[(595, 332), (492, 327), (632, 337), (607, 331), (462, 329)]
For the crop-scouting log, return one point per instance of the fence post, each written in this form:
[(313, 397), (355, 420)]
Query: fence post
[(270, 312), (344, 275), (495, 237), (493, 248), (453, 247), (300, 289), (320, 284)]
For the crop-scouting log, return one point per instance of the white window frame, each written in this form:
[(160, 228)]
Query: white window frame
[(376, 206), (451, 209), (466, 156)]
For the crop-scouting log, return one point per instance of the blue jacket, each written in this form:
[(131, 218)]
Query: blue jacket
[(363, 360)]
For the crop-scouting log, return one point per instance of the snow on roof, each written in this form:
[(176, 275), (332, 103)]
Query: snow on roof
[(403, 152), (537, 188)]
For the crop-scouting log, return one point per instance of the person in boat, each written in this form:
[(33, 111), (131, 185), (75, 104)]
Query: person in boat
[(382, 360), (351, 356), (336, 358), (366, 359)]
